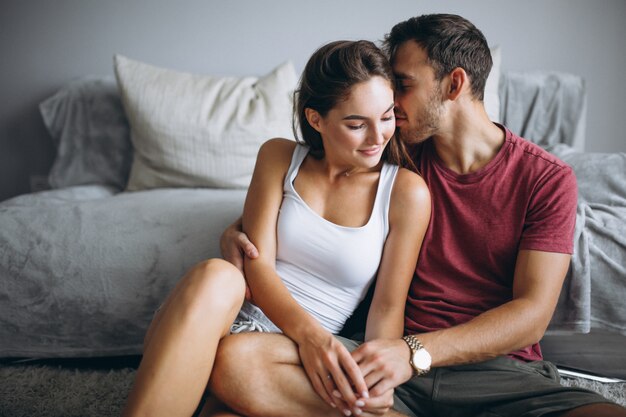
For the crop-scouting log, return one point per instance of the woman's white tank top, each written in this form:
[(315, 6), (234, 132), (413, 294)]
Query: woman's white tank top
[(328, 268)]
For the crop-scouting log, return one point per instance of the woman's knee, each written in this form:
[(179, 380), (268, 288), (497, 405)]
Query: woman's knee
[(213, 282), (217, 274), (210, 287)]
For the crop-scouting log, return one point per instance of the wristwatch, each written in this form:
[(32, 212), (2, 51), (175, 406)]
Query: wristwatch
[(420, 358)]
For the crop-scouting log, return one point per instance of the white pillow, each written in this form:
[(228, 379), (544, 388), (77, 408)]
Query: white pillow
[(193, 130), (492, 98)]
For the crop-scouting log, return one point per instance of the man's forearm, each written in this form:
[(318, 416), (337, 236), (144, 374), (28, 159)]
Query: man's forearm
[(514, 325), (491, 334), (497, 332)]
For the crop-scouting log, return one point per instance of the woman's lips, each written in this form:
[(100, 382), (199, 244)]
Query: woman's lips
[(371, 151)]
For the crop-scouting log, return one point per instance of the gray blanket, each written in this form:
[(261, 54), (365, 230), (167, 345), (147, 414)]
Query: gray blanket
[(594, 292), (549, 108)]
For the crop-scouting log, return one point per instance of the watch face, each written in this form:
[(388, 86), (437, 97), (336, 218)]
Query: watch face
[(422, 359)]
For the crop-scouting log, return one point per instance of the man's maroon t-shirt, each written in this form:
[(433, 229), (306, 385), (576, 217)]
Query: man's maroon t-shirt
[(525, 198)]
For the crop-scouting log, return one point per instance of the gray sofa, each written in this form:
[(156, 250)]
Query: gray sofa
[(84, 265)]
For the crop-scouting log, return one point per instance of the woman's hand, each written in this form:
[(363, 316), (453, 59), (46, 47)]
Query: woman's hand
[(333, 372), (378, 406)]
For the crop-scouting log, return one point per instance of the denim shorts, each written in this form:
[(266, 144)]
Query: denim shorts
[(498, 387), (252, 319)]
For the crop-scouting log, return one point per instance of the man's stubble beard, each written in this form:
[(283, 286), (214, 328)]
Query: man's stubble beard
[(427, 124)]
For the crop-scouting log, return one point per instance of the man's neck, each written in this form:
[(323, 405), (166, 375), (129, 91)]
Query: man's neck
[(469, 141)]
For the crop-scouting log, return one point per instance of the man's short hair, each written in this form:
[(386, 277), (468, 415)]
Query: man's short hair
[(450, 41)]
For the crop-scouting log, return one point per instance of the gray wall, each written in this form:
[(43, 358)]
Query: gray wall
[(46, 43)]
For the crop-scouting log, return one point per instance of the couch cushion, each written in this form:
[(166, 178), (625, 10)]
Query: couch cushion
[(82, 270), (200, 131), (86, 121)]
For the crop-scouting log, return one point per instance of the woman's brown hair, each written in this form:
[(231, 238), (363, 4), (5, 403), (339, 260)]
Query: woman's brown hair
[(328, 78)]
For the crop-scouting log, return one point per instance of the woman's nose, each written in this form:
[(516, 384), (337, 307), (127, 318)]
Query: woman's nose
[(377, 136)]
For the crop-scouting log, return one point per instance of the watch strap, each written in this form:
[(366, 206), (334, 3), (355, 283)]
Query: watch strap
[(414, 345)]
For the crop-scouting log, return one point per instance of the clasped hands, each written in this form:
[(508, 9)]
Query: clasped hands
[(358, 383)]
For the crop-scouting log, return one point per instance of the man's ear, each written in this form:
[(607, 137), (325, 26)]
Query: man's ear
[(313, 117), (457, 82)]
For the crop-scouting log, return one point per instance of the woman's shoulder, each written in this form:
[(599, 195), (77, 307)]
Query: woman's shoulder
[(280, 145), (277, 150), (410, 189)]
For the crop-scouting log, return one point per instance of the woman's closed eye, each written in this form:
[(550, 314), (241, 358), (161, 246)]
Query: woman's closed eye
[(363, 125)]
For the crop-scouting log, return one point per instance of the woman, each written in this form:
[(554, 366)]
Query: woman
[(328, 215)]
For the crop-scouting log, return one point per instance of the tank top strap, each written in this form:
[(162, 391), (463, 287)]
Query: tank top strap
[(387, 178), (299, 153)]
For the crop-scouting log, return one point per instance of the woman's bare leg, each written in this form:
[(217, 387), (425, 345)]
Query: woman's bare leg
[(180, 345), (214, 408), (260, 374)]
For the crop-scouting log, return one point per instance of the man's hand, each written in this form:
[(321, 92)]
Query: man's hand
[(234, 245), (384, 364)]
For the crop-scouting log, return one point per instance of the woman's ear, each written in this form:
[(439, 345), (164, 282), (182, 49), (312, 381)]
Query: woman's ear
[(457, 82), (314, 118)]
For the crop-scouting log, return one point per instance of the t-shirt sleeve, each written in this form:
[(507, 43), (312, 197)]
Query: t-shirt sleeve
[(551, 216)]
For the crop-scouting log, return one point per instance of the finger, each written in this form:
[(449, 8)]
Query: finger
[(365, 363), (360, 353), (318, 376), (344, 389), (329, 384), (379, 404), (319, 388), (354, 373), (231, 253), (248, 248), (344, 397), (384, 385), (338, 400), (326, 392), (330, 387), (342, 406), (372, 379)]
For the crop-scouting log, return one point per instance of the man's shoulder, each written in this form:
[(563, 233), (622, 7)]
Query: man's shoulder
[(533, 156), (539, 169)]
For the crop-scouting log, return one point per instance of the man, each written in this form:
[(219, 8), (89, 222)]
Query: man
[(490, 271)]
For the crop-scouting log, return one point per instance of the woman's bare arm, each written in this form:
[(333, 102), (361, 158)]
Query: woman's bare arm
[(409, 216)]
